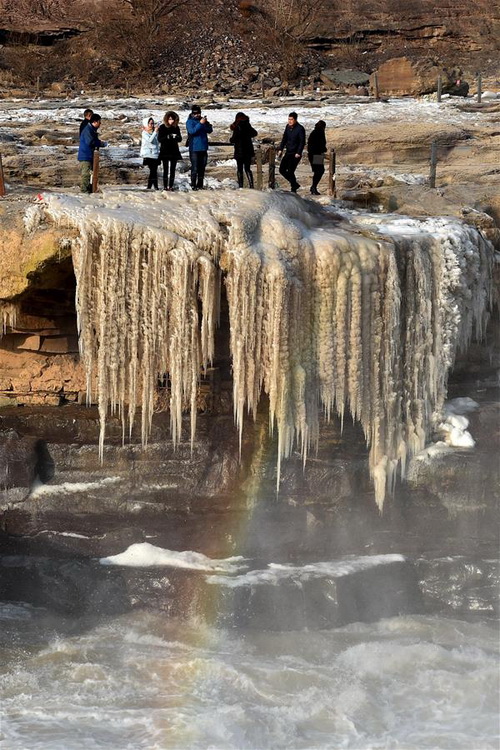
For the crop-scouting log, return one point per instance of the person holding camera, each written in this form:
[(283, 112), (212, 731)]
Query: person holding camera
[(169, 136), (292, 143), (89, 143), (198, 129)]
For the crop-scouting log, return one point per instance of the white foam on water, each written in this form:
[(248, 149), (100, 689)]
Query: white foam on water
[(143, 555), (276, 573), (144, 681)]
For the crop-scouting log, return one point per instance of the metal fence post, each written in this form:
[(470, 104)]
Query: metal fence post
[(332, 187), (439, 88), (479, 87)]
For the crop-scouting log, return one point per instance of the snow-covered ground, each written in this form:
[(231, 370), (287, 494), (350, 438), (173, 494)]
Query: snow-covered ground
[(337, 115)]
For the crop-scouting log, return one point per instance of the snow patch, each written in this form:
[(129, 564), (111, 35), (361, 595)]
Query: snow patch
[(145, 555), (69, 488)]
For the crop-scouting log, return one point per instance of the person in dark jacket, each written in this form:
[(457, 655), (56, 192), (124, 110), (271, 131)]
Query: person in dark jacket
[(89, 142), (87, 114), (292, 144), (244, 151), (316, 149), (169, 136), (198, 129)]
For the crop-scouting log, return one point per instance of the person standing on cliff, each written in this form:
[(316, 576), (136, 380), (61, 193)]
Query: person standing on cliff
[(241, 138), (292, 143), (89, 143), (316, 149), (150, 151), (198, 129), (169, 136), (87, 114)]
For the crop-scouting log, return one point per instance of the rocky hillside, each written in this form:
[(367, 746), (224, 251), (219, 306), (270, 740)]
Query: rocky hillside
[(236, 45)]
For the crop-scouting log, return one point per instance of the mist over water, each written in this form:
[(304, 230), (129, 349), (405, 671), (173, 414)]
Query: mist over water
[(142, 680)]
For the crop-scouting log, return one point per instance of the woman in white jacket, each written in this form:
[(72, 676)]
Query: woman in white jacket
[(150, 150)]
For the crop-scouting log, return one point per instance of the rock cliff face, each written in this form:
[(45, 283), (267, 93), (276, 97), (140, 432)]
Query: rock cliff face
[(462, 36), (38, 336)]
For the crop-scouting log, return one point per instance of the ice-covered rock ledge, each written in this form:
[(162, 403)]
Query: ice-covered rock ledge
[(330, 311)]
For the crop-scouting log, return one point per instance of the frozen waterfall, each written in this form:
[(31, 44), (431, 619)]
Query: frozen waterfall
[(331, 311)]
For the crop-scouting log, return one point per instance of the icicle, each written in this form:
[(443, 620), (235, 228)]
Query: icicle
[(8, 316), (325, 313)]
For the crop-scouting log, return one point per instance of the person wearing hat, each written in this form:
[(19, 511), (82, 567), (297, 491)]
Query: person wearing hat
[(198, 129), (150, 150)]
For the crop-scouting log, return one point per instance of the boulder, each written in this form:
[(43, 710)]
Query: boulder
[(403, 77), (22, 460), (344, 78)]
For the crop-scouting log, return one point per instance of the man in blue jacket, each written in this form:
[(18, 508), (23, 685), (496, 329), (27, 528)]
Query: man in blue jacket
[(89, 142), (198, 129), (292, 143)]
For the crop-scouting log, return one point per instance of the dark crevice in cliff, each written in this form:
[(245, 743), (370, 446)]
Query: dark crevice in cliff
[(45, 38), (375, 37)]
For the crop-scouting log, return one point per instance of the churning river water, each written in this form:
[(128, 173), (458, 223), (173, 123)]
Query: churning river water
[(143, 680)]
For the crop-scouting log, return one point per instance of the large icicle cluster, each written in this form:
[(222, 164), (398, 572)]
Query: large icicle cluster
[(361, 314)]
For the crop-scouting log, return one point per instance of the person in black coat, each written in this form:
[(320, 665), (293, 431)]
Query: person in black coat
[(316, 149), (292, 143), (241, 139), (169, 137)]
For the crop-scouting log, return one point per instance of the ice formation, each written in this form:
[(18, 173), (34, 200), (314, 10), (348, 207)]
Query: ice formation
[(344, 313), (455, 432), (8, 316)]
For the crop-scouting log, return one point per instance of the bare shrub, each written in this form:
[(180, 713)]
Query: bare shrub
[(293, 18)]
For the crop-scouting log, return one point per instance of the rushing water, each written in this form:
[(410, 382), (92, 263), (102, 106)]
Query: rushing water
[(142, 680)]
